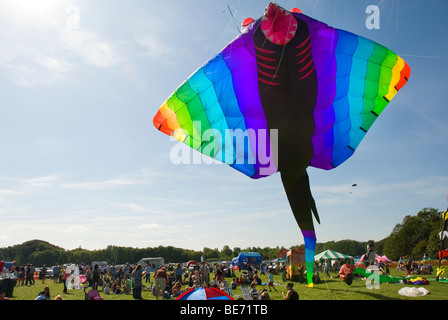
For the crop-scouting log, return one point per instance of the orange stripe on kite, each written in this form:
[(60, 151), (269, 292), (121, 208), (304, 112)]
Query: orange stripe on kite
[(405, 74)]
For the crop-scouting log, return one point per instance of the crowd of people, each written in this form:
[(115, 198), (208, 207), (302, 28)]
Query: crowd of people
[(414, 267), (171, 280), (165, 282), (26, 274)]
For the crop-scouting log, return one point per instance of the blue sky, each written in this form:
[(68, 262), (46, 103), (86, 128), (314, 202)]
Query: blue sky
[(82, 165)]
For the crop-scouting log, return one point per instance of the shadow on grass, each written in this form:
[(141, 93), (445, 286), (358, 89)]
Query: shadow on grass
[(352, 292), (370, 294)]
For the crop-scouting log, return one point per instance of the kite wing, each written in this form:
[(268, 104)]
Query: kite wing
[(218, 112), (357, 78)]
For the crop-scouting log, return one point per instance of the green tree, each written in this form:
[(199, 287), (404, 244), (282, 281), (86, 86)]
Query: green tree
[(410, 238), (211, 254), (236, 251), (226, 253)]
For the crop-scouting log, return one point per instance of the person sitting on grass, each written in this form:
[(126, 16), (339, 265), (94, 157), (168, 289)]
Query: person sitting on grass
[(291, 294), (264, 295), (253, 290), (116, 289), (224, 285), (126, 285), (106, 289), (2, 296), (177, 289), (214, 282), (244, 278), (196, 284), (234, 284), (107, 280), (257, 278), (44, 295)]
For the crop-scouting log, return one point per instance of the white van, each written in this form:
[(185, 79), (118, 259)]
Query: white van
[(157, 262)]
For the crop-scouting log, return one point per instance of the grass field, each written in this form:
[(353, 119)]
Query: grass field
[(329, 289)]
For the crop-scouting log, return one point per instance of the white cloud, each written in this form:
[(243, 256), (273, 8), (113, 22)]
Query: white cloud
[(43, 43), (92, 49), (150, 226), (36, 13), (57, 65), (19, 187), (76, 229), (29, 67), (121, 181), (138, 208), (148, 33), (106, 184)]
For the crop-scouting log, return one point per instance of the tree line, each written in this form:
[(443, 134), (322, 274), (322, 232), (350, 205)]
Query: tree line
[(414, 236)]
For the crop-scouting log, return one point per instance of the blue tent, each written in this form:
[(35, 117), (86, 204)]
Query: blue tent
[(247, 257)]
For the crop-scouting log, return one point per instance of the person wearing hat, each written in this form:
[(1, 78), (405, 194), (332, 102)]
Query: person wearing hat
[(160, 278)]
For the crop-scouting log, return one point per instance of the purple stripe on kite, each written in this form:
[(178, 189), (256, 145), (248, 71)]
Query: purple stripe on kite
[(309, 234), (240, 58), (323, 45)]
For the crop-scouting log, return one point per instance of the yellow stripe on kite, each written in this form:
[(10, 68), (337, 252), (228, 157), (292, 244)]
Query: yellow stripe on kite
[(396, 74)]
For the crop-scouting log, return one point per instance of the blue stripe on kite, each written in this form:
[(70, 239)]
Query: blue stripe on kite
[(219, 74), (347, 45), (201, 84), (356, 89)]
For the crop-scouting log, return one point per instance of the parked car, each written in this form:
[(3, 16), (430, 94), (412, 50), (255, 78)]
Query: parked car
[(48, 274)]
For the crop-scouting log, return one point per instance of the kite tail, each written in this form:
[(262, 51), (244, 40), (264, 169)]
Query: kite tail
[(303, 206), (310, 248)]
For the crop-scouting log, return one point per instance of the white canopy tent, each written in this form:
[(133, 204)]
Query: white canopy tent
[(331, 255)]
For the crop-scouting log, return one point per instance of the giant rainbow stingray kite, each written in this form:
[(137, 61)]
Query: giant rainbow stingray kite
[(289, 92)]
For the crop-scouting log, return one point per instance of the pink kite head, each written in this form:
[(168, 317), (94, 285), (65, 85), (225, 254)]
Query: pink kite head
[(278, 25)]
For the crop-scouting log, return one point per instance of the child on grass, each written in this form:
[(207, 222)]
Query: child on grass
[(271, 280)]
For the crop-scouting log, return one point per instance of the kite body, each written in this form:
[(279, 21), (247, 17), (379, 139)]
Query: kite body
[(289, 92)]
